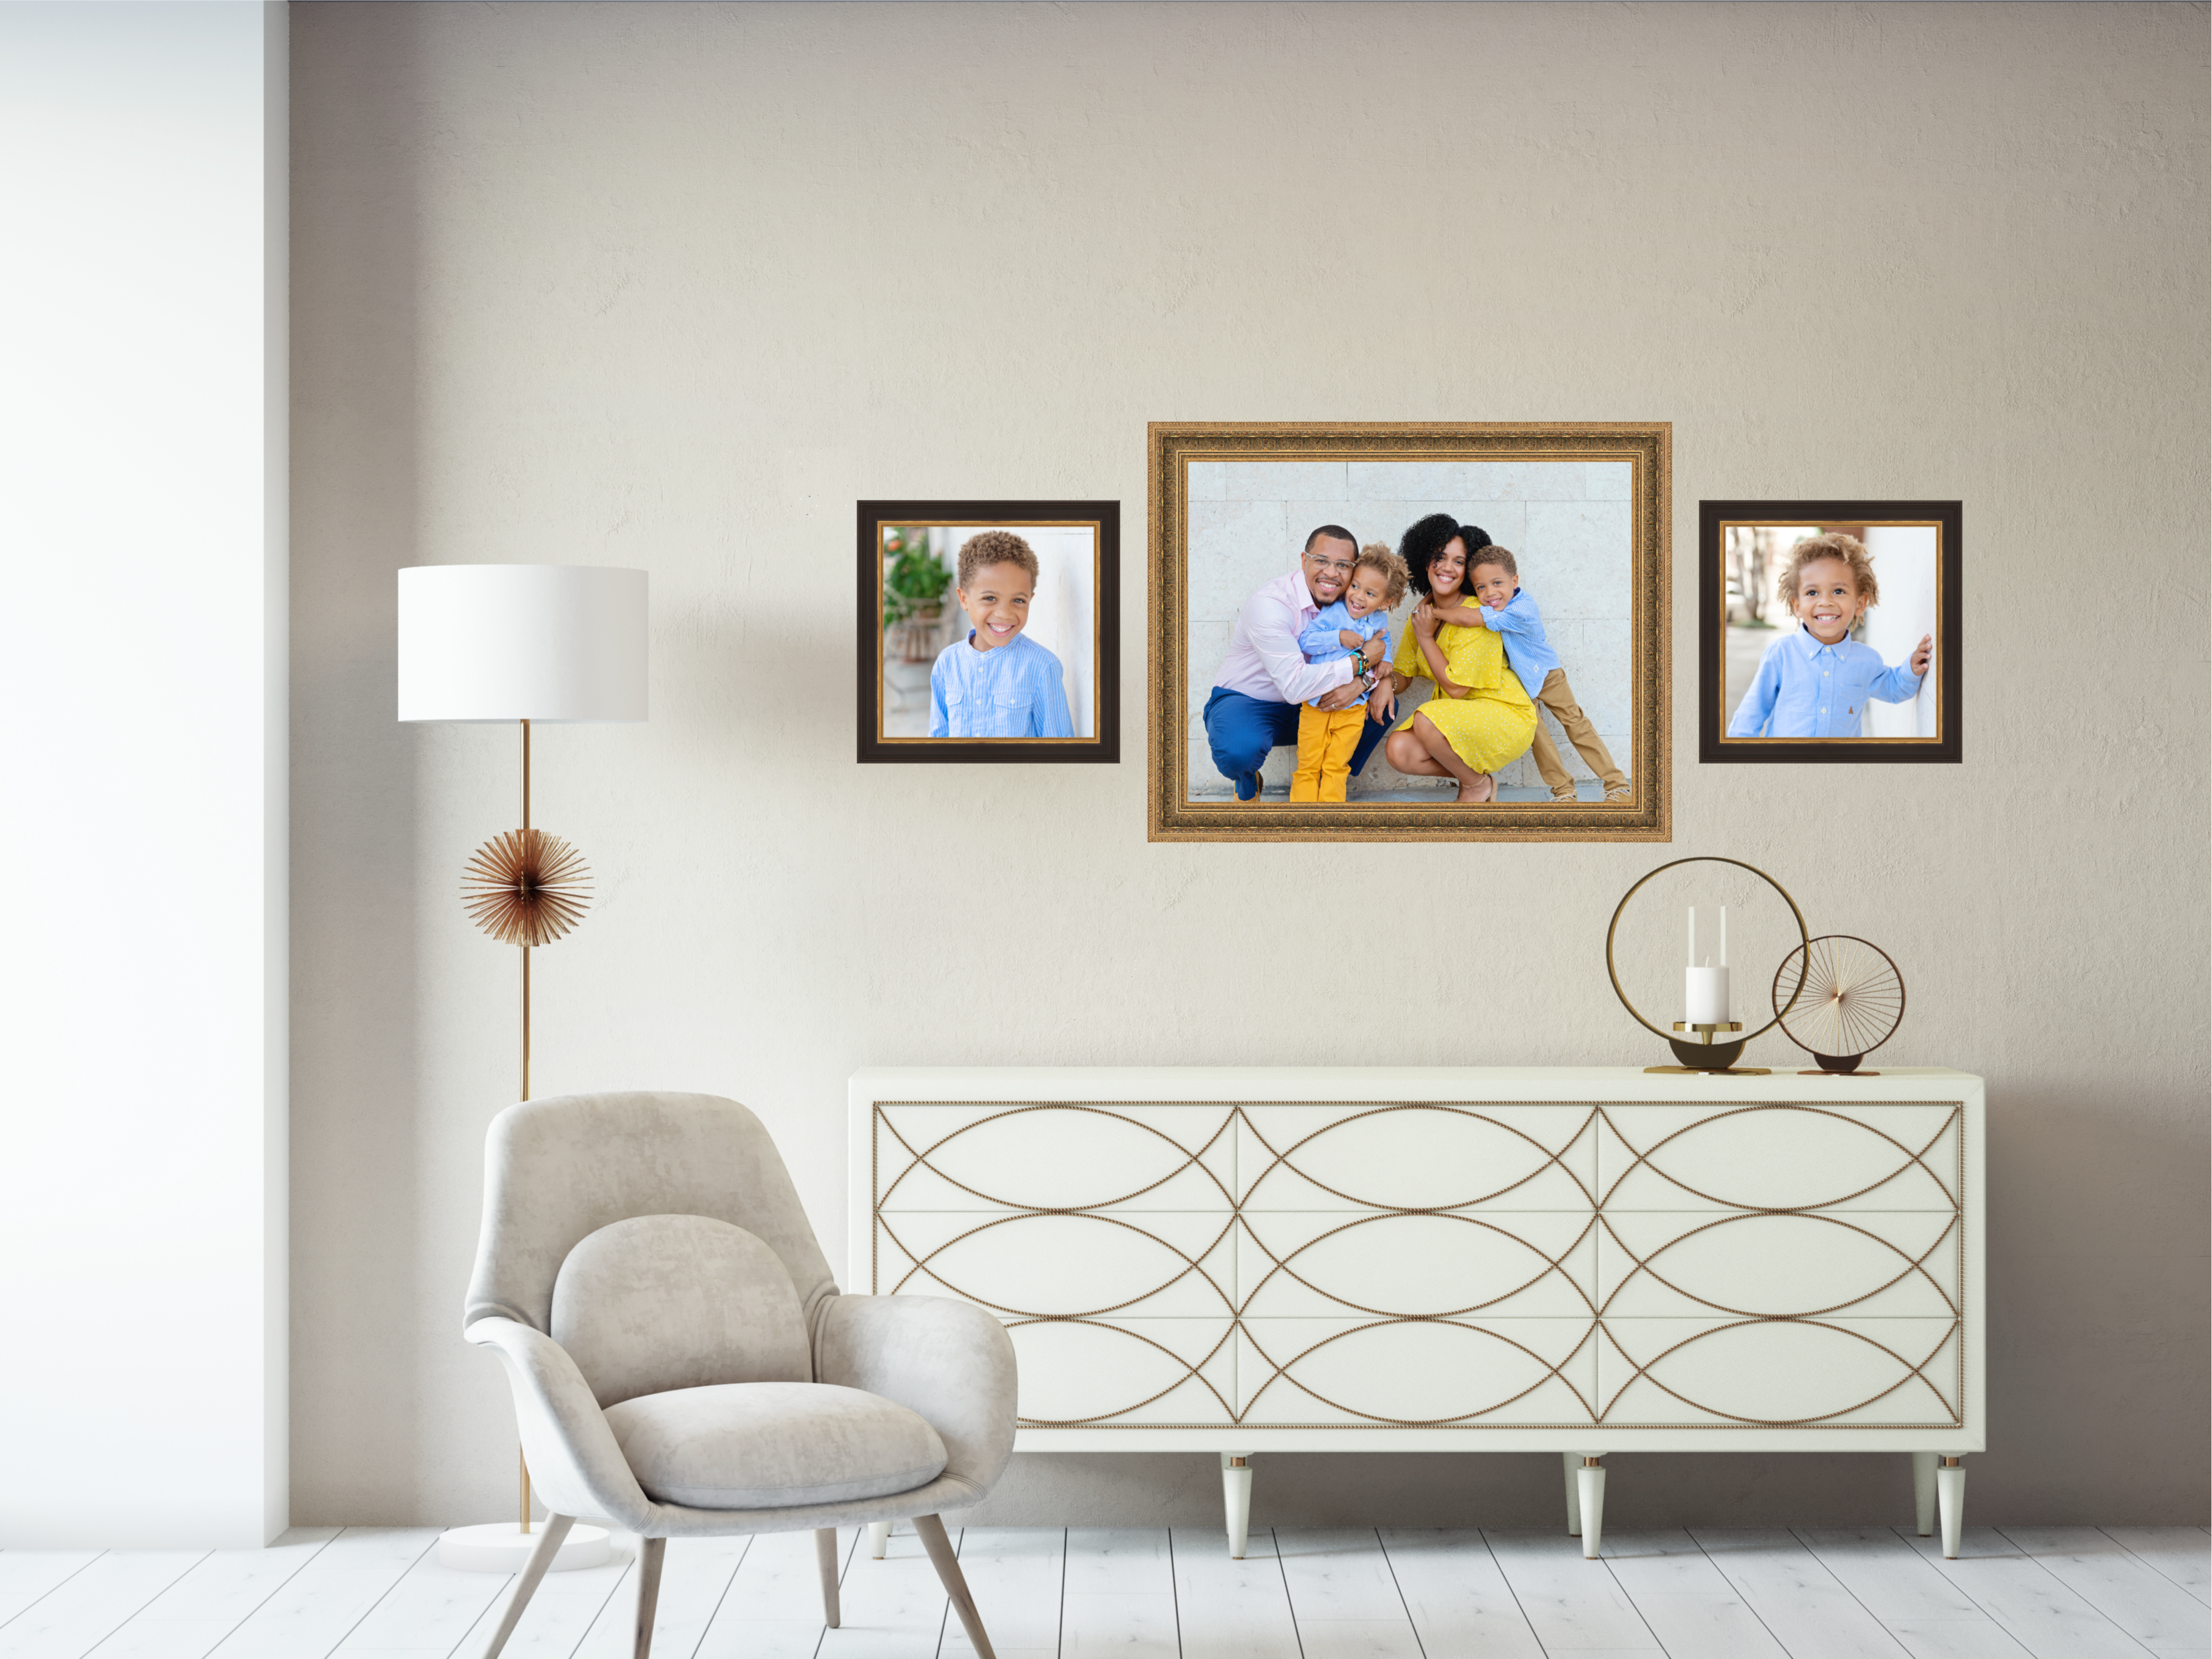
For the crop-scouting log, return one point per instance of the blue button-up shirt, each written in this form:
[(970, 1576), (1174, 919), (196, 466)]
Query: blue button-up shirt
[(1013, 690), (1317, 639), (1804, 689), (1520, 629)]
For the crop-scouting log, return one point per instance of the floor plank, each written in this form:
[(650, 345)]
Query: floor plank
[(70, 1619), (1891, 1580), (1811, 1614), (1119, 1597), (1957, 1638), (428, 1613), (772, 1607), (27, 1575), (1231, 1609), (315, 1610), (894, 1609), (562, 1612), (2038, 1612), (2146, 1604), (2182, 1554), (191, 1618), (1343, 1599), (1458, 1598), (1014, 1576), (1570, 1602), (776, 1606), (694, 1574), (1691, 1606)]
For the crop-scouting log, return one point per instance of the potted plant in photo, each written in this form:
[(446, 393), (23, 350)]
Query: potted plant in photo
[(914, 581)]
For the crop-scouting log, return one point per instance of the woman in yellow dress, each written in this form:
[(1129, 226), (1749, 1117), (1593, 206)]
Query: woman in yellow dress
[(1480, 718)]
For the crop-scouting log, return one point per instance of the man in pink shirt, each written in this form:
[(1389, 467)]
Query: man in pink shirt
[(1265, 677)]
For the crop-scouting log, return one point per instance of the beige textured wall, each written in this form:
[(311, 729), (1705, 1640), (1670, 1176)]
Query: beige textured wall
[(673, 286)]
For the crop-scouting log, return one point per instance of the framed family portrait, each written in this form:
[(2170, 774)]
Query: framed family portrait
[(990, 631), (1828, 631), (1409, 632)]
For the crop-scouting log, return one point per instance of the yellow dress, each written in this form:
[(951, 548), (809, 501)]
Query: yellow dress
[(1491, 725)]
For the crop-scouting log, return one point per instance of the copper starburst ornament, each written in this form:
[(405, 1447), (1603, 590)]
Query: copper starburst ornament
[(526, 888)]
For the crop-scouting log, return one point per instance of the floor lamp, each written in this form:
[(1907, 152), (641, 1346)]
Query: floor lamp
[(522, 643)]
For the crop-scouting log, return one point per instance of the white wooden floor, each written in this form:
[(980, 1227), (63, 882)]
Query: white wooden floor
[(1851, 1592)]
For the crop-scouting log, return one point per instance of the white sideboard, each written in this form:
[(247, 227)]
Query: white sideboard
[(1583, 1260)]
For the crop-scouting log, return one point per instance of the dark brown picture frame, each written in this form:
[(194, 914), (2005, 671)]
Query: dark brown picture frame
[(1103, 749), (1716, 747), (1646, 447)]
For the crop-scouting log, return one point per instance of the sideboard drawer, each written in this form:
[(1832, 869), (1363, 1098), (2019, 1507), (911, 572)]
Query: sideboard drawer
[(1053, 1264), (1842, 1373), (1771, 1155), (1396, 1374), (1416, 1155)]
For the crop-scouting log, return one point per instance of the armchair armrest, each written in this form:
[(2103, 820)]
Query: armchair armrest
[(575, 1462), (948, 1361)]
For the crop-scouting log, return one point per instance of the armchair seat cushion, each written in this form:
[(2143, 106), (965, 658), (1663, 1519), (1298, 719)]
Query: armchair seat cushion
[(773, 1445)]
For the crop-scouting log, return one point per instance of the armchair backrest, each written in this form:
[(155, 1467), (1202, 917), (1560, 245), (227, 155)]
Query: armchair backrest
[(558, 1169)]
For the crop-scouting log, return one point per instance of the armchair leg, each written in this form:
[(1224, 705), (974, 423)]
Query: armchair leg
[(930, 1530), (541, 1556), (649, 1554), (825, 1556)]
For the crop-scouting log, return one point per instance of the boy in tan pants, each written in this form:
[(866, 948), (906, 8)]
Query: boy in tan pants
[(1502, 606)]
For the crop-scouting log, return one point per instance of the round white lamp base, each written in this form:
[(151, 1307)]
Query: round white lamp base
[(503, 1546)]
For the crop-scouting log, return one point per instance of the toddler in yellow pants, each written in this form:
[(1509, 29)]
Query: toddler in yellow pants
[(1356, 625)]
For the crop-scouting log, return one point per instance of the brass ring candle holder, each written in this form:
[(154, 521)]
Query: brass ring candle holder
[(1705, 1055)]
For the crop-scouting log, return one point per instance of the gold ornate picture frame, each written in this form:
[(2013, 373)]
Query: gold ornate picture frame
[(1585, 508)]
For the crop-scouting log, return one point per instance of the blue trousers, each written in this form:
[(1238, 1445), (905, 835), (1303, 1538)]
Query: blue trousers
[(1241, 730)]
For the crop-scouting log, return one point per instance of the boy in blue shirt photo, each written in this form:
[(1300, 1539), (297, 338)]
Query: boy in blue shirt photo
[(1815, 683), (1506, 608), (1356, 625), (996, 683)]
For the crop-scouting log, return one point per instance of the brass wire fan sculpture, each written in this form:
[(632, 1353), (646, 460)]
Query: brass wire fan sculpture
[(525, 887), (1839, 998)]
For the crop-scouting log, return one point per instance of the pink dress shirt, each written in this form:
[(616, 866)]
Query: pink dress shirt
[(1264, 660)]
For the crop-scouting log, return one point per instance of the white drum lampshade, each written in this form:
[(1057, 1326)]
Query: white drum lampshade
[(547, 642)]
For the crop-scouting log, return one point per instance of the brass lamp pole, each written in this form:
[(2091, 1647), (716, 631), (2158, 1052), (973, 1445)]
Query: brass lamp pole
[(526, 888)]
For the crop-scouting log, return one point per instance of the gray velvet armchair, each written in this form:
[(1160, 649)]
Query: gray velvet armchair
[(683, 1364)]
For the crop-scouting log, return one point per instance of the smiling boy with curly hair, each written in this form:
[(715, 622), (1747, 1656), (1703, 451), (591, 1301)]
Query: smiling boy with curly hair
[(997, 682)]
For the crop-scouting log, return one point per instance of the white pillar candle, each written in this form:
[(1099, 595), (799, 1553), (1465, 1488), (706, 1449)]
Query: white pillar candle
[(1706, 992)]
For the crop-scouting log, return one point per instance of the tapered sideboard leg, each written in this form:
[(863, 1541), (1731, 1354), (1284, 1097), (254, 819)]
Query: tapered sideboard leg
[(1590, 1478), (1951, 1498), (1923, 1493), (1236, 1499), (879, 1538), (1572, 1463)]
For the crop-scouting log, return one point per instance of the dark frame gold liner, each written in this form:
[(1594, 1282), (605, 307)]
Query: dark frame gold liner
[(1106, 633), (1647, 445), (1714, 518)]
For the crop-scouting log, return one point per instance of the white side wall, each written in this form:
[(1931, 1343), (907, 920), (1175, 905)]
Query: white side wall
[(143, 991)]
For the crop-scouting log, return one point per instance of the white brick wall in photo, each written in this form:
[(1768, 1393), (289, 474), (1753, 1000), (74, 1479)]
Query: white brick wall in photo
[(1566, 522)]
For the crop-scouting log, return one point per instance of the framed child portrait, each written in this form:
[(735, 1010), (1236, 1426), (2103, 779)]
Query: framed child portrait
[(1442, 631), (990, 631), (1828, 631)]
